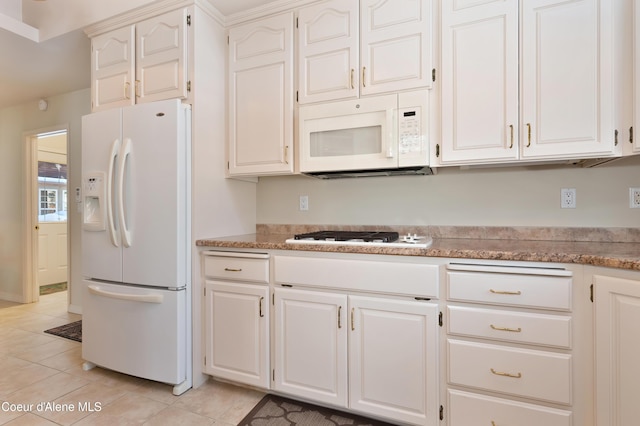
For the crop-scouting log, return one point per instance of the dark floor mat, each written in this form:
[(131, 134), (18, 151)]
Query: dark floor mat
[(72, 331)]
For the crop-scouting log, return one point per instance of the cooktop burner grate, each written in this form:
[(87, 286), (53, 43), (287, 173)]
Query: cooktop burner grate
[(367, 236)]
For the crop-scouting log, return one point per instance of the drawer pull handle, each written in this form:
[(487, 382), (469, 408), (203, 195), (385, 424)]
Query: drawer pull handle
[(502, 373), (233, 269), (514, 330), (261, 313), (512, 293), (339, 316)]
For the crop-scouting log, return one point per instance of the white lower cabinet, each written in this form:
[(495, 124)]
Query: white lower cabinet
[(534, 374), (508, 345), (392, 358), (376, 354), (370, 354), (311, 345), (237, 317), (361, 333), (475, 409), (617, 315)]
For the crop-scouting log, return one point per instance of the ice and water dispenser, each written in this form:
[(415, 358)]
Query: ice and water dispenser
[(95, 202)]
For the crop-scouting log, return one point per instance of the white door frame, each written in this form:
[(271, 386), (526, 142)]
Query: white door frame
[(30, 288)]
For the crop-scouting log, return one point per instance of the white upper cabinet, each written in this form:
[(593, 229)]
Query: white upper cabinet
[(479, 81), (328, 63), (395, 45), (348, 48), (567, 83), (260, 105), (161, 52), (636, 77), (529, 80), (138, 63), (113, 69)]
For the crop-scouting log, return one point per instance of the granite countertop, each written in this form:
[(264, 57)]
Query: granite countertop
[(593, 247)]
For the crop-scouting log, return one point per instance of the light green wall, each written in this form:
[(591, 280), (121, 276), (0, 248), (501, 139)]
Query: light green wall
[(498, 196), (64, 110)]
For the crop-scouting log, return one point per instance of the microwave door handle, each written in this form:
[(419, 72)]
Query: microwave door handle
[(392, 123)]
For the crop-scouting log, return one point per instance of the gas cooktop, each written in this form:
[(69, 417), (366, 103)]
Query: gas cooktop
[(362, 238)]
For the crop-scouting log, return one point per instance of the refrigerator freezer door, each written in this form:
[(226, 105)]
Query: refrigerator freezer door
[(101, 138), (136, 331), (154, 197)]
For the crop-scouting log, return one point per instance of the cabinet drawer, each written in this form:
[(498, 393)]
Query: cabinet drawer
[(410, 278), (534, 291), (521, 327), (528, 373), (237, 266), (472, 409)]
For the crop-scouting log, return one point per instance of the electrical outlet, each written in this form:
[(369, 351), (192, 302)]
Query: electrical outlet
[(304, 203), (634, 198), (568, 198)]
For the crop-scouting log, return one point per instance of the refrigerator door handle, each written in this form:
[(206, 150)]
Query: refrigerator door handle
[(125, 154), (146, 298), (115, 146)]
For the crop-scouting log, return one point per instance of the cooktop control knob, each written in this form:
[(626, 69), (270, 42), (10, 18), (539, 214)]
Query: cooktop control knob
[(411, 238)]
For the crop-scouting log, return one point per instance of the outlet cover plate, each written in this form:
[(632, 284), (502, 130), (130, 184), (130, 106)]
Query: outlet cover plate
[(568, 198), (304, 203), (634, 198)]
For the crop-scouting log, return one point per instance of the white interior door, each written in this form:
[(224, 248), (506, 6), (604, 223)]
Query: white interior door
[(52, 253)]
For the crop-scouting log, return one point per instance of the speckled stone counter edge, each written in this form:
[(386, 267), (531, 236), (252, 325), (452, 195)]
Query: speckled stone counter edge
[(595, 247), (611, 235)]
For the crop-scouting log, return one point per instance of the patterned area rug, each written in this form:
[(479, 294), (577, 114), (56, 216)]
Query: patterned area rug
[(72, 331), (52, 288), (274, 410)]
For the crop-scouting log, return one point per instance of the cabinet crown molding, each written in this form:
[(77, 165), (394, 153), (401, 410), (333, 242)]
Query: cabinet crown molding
[(149, 11)]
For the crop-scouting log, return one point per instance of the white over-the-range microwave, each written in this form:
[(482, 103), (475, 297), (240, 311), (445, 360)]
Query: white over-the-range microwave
[(380, 135)]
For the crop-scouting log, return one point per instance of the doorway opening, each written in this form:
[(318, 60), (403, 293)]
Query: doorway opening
[(47, 268), (52, 212)]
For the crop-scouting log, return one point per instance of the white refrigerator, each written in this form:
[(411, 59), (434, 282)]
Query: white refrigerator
[(136, 257)]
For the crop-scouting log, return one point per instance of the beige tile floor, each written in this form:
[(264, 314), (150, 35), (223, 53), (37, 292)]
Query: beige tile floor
[(42, 381)]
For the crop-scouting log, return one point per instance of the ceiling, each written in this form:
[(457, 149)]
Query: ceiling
[(30, 71)]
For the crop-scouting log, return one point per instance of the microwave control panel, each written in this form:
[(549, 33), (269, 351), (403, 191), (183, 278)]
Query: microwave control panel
[(409, 130)]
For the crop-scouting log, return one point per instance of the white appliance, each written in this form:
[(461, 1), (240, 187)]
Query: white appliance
[(387, 134), (136, 241)]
